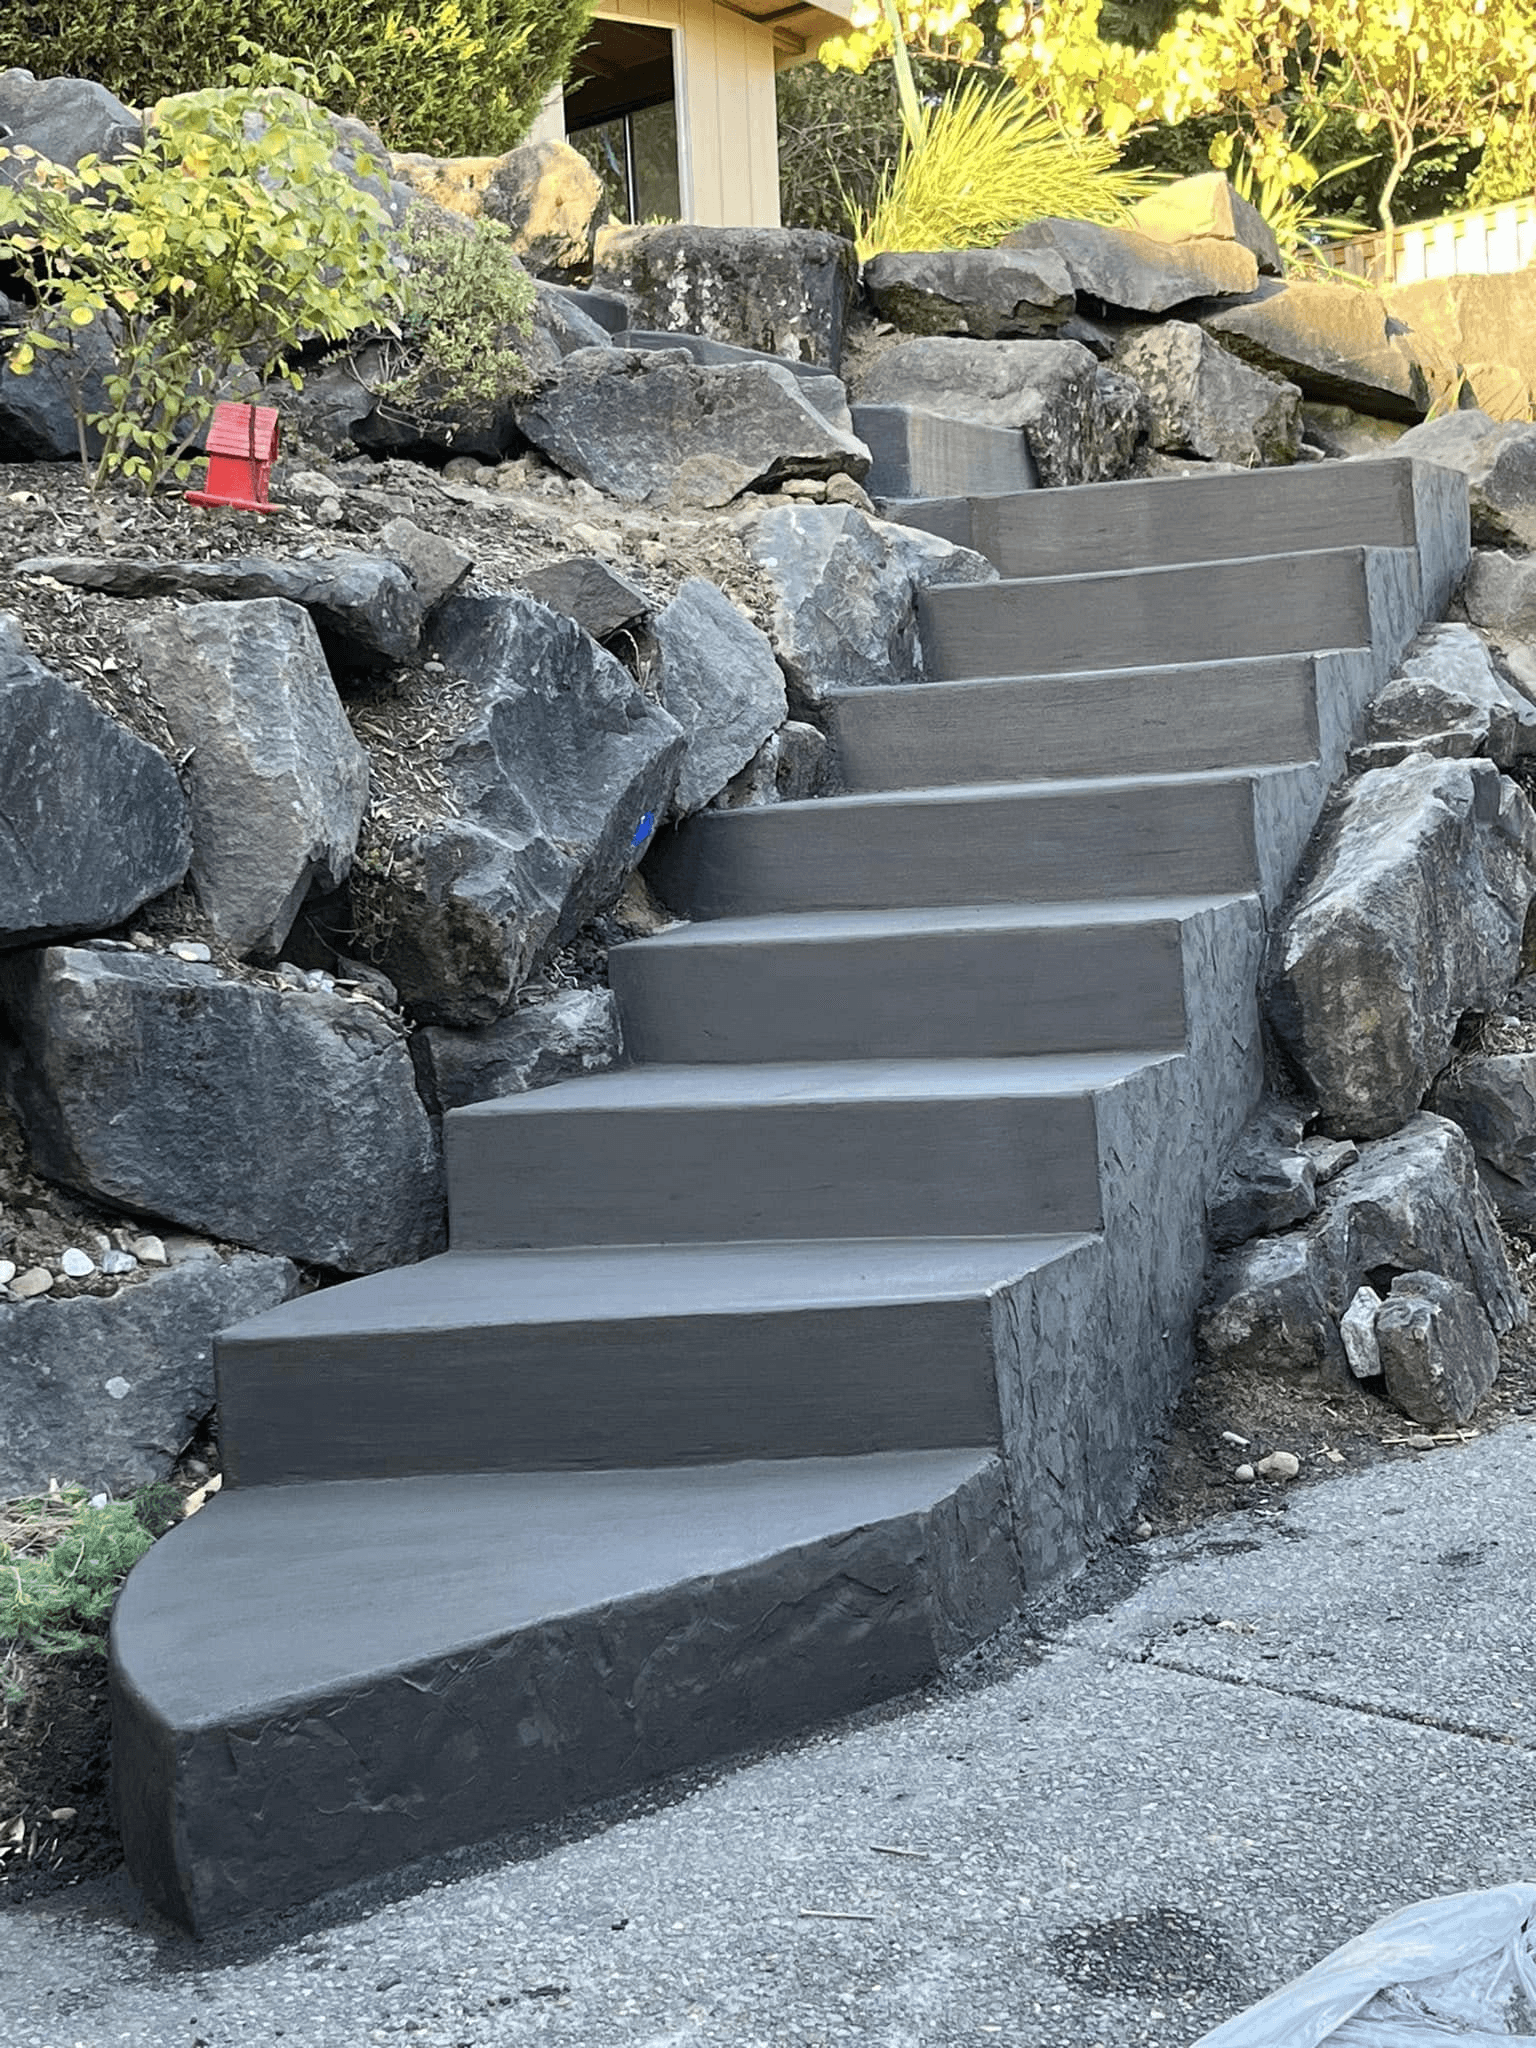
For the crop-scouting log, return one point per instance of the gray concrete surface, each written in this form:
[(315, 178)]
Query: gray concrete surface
[(1119, 1837)]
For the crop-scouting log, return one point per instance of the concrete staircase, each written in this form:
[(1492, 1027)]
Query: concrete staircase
[(763, 1373)]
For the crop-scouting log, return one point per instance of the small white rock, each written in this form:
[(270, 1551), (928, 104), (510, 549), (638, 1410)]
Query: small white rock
[(1357, 1327), (36, 1280), (7, 1272), (99, 1500), (1279, 1465), (117, 1387), (77, 1265), (115, 1264), (149, 1251), (1244, 1475), (1142, 1531), (1230, 1436), (191, 949)]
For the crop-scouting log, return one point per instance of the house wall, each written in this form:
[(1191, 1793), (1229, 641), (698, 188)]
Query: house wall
[(727, 118)]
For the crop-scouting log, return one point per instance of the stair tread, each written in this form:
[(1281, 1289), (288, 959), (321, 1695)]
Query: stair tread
[(625, 1283), (1196, 568), (770, 1084), (940, 687), (290, 1591), (819, 927), (1045, 788)]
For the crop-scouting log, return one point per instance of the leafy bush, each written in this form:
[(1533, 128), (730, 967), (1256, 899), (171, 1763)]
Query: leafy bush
[(223, 242), (983, 163), (57, 1600), (465, 301), (456, 77)]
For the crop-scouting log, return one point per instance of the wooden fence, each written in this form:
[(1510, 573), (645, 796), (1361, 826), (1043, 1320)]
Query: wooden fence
[(1495, 238)]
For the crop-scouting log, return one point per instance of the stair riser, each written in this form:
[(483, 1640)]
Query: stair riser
[(1131, 722), (225, 1821), (1082, 845), (984, 1167), (685, 1390), (980, 994)]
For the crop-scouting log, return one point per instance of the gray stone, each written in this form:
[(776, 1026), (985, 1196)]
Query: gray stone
[(277, 781), (555, 784), (1492, 1096), (1447, 699), (717, 675), (95, 819), (656, 427), (41, 413), (1119, 413), (845, 593), (1207, 208), (1130, 273), (365, 609), (1267, 1309), (1498, 597), (1202, 401), (596, 596), (828, 393), (154, 1338), (788, 291), (437, 566), (285, 1121), (1438, 1355), (1268, 1182), (573, 1032), (63, 119), (1412, 1202), (994, 294), (1499, 464), (1337, 341), (1330, 1156), (1413, 917), (1047, 388), (1338, 431), (1357, 1328), (789, 766)]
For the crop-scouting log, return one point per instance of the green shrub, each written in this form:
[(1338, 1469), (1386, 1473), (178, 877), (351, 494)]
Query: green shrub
[(455, 77), (57, 1600), (465, 301), (211, 252)]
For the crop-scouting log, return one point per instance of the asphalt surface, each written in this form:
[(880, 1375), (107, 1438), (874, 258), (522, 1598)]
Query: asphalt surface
[(1288, 1728)]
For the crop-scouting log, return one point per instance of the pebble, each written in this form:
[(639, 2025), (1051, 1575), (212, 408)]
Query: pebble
[(1244, 1475), (149, 1251), (1142, 1531), (142, 940), (1230, 1436), (76, 1264), (117, 1387), (113, 1264), (36, 1280), (7, 1272), (1279, 1465), (191, 949)]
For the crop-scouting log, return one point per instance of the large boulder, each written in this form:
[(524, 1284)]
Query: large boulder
[(1047, 388), (845, 593), (546, 193), (63, 119), (575, 1031), (1267, 1307), (435, 565), (339, 409), (1413, 916), (1499, 464), (788, 291), (1268, 1182), (282, 1119), (1492, 1096), (1498, 597), (42, 413), (366, 609), (1337, 341), (1200, 400), (1207, 208), (592, 592), (108, 1389), (1448, 699), (789, 766), (995, 294), (818, 386), (717, 675), (1117, 270), (277, 781), (655, 427), (551, 770), (1485, 327), (1438, 1356), (95, 819)]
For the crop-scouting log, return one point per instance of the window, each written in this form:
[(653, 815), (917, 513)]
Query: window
[(621, 113)]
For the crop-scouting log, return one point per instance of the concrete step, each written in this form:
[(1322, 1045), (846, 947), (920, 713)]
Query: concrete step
[(864, 1148), (972, 982), (1070, 840), (1147, 618), (313, 1685), (656, 1355), (1131, 721), (1389, 503)]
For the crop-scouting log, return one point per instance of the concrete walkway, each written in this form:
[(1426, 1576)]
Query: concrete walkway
[(1291, 1726)]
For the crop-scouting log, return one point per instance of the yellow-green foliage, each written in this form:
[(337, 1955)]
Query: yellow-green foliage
[(210, 252), (465, 302), (457, 77), (65, 1560), (984, 162)]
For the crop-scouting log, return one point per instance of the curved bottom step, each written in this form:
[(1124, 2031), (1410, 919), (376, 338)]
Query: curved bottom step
[(388, 1669)]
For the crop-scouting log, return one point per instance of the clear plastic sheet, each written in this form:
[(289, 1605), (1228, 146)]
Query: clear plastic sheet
[(1444, 1972)]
